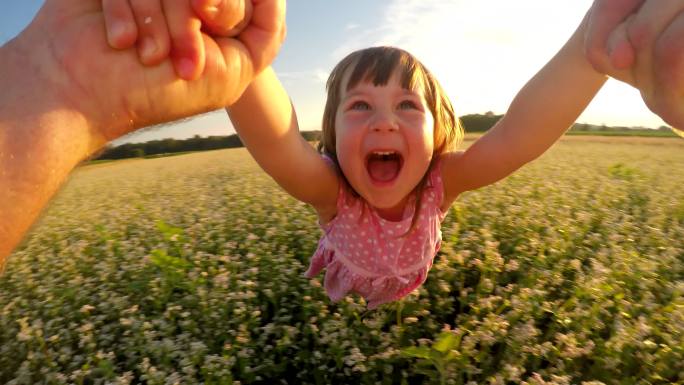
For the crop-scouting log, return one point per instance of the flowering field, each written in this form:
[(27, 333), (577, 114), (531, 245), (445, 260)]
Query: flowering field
[(189, 269)]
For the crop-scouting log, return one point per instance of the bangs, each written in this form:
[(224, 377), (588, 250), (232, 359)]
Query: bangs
[(377, 65)]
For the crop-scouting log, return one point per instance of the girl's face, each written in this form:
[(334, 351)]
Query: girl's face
[(384, 142)]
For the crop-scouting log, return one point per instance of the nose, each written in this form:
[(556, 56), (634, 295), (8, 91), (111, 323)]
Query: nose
[(384, 121)]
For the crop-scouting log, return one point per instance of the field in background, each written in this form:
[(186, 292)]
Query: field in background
[(189, 269)]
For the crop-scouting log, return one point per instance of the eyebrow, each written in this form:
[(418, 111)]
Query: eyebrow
[(404, 91)]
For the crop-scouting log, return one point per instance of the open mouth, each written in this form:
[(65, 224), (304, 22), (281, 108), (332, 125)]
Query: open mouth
[(384, 166)]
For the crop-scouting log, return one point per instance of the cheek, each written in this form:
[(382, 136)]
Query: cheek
[(344, 148), (423, 136), (429, 134), (347, 137), (429, 141)]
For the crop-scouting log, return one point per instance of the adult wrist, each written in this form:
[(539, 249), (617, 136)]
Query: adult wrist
[(33, 102)]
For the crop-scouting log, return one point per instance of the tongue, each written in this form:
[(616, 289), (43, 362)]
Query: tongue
[(383, 170)]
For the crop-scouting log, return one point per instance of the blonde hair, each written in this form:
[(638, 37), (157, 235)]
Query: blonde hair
[(376, 65)]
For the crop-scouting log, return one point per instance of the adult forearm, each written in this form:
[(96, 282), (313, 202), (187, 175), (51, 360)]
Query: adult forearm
[(41, 141)]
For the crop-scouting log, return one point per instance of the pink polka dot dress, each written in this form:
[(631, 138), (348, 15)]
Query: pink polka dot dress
[(369, 255)]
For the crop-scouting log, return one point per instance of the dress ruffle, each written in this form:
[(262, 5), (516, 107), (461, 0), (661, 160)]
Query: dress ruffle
[(340, 280)]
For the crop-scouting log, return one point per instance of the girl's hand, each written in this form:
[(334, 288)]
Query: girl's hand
[(641, 42), (606, 45), (163, 27)]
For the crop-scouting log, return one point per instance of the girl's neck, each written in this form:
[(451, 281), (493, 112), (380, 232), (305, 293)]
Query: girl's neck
[(395, 213)]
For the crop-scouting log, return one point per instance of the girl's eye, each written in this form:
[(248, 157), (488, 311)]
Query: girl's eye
[(360, 105), (408, 105)]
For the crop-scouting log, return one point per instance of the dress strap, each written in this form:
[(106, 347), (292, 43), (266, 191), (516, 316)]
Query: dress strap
[(344, 194), (435, 181)]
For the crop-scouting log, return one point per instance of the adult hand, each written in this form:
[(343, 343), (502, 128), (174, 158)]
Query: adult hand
[(160, 27), (641, 42), (66, 93), (115, 93)]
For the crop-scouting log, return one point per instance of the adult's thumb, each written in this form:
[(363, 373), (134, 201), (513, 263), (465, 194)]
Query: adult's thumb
[(223, 18)]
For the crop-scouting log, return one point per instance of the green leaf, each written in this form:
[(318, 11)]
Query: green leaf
[(416, 352), (445, 341)]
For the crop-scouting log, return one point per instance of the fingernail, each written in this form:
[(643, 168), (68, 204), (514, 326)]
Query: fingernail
[(185, 68), (117, 31), (148, 47), (211, 10)]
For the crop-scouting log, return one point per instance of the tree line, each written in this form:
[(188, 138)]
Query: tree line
[(471, 123)]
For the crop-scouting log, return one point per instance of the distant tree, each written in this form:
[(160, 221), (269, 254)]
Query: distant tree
[(471, 123), (311, 136), (479, 123)]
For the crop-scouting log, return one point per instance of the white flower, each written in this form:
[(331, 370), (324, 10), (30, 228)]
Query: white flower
[(86, 308)]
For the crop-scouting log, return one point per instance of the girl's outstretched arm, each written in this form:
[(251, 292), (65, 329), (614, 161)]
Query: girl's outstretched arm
[(266, 122), (541, 112)]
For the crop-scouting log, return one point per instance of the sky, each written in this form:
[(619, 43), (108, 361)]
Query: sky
[(482, 52)]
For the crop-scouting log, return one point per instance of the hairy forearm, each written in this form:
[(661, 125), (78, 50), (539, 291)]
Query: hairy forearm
[(41, 141)]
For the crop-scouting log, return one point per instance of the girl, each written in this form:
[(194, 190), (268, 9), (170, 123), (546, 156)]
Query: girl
[(387, 168)]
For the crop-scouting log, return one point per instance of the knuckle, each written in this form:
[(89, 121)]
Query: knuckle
[(640, 34)]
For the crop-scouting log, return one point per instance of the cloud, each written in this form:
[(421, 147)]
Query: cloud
[(404, 23), (316, 75), (484, 51), (322, 76)]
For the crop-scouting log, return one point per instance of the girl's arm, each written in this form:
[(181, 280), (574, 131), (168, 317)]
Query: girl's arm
[(266, 122), (541, 112)]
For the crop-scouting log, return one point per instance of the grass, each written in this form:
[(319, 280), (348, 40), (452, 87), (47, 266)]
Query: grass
[(189, 270)]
